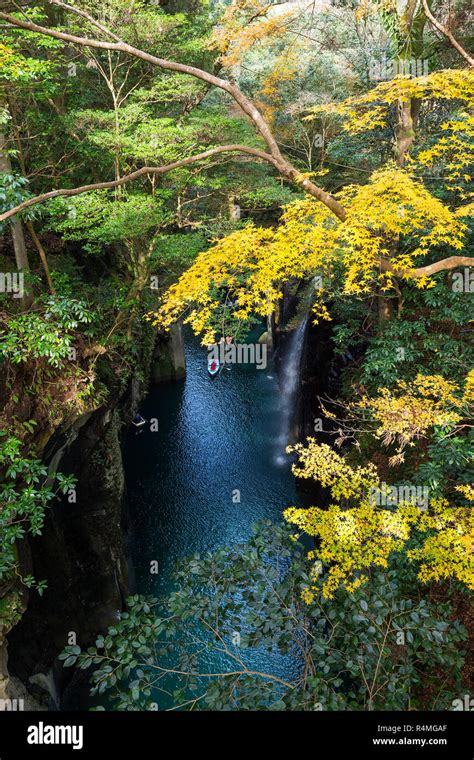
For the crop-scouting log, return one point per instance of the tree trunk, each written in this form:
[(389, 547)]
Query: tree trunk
[(408, 112), (19, 246), (42, 255), (16, 227), (384, 308)]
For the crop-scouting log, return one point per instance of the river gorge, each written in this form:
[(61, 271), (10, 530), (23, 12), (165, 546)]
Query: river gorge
[(215, 466)]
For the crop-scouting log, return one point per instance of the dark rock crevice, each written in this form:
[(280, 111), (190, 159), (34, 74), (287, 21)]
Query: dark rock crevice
[(82, 552)]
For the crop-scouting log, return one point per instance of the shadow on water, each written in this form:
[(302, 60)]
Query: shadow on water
[(218, 441)]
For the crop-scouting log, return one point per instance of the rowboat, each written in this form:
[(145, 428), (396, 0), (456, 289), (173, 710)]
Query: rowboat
[(213, 366)]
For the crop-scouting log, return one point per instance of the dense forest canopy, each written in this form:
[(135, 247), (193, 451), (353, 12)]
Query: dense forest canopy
[(170, 161)]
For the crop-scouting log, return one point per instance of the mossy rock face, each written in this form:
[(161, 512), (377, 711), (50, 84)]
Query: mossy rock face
[(169, 362), (163, 368), (11, 609)]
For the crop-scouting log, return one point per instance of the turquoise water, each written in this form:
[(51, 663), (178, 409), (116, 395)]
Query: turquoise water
[(218, 439)]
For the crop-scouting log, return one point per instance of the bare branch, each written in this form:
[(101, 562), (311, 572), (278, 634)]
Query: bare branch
[(68, 193), (444, 30), (88, 17), (274, 156), (223, 84), (247, 106), (444, 265)]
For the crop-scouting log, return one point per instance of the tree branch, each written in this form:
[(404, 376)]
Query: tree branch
[(444, 265), (247, 106), (274, 157), (444, 30), (223, 84), (68, 193), (88, 17)]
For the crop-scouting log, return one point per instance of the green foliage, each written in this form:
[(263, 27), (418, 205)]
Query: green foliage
[(11, 607), (48, 336), (428, 331), (271, 195), (98, 219), (448, 462), (25, 494), (108, 115), (174, 253), (13, 191), (429, 335), (383, 647)]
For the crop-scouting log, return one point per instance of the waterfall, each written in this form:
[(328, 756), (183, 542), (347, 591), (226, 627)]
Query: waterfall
[(289, 382)]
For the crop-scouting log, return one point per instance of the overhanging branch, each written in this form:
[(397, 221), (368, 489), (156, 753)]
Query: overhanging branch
[(247, 106), (70, 192), (274, 156), (119, 46), (444, 30), (444, 265)]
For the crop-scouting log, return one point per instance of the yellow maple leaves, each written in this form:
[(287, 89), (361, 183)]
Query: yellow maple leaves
[(285, 68), (454, 151), (448, 548), (370, 111), (248, 267), (361, 527), (405, 413), (392, 204), (390, 219), (355, 534), (320, 462), (246, 23), (351, 541)]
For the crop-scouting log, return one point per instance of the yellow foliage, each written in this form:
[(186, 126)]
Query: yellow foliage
[(353, 539), (322, 463), (15, 66), (7, 56), (246, 23), (392, 204), (449, 551), (251, 264), (370, 110), (284, 69), (469, 388), (467, 491), (455, 151), (407, 412)]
